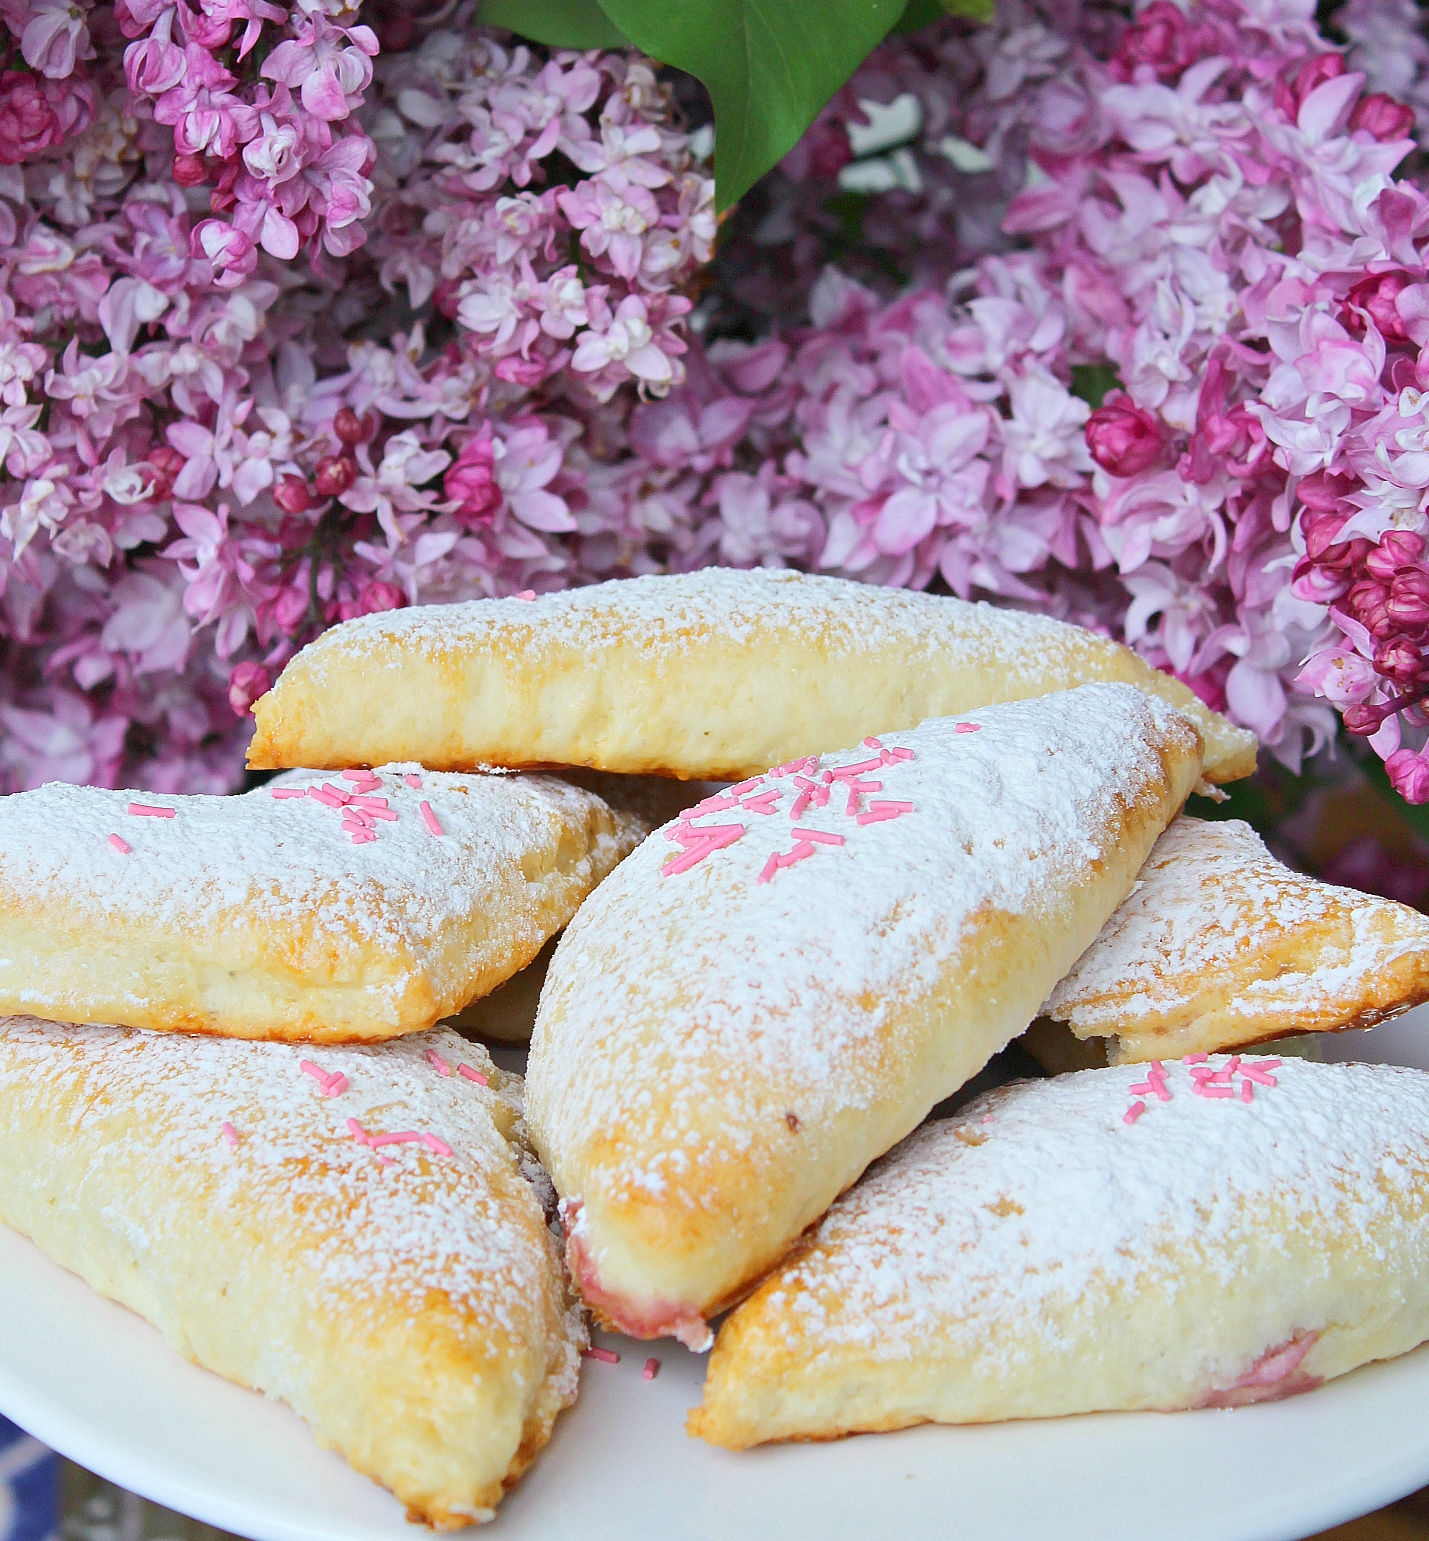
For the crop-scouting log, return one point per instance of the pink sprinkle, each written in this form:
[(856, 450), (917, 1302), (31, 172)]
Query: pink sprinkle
[(527, 594), (370, 810), (1207, 1090), (471, 1075), (1193, 1059), (651, 1370), (341, 793), (741, 787), (337, 1086), (145, 811), (968, 727), (308, 1068), (1133, 1112), (809, 763), (853, 772), (699, 843), (1259, 1076), (1141, 1088), (853, 804), (818, 836), (385, 1160), (603, 1354), (890, 755), (1157, 1068), (360, 776), (872, 743), (877, 812), (436, 1146), (357, 1131), (120, 845), (359, 838), (800, 803), (1247, 1091), (438, 1063), (406, 1137), (801, 852), (323, 795), (428, 817), (286, 792), (1269, 1064), (716, 804), (368, 803), (229, 1133), (764, 803), (411, 780), (1159, 1087)]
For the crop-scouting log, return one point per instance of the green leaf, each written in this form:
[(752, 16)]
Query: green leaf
[(769, 66), (918, 14), (1092, 381), (557, 23)]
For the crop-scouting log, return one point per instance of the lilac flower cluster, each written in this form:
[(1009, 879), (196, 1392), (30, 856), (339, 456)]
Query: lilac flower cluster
[(293, 333), (306, 314)]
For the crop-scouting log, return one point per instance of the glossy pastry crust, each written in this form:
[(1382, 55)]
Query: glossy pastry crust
[(718, 673), (1052, 1250), (1220, 945), (274, 915), (403, 1295), (767, 996)]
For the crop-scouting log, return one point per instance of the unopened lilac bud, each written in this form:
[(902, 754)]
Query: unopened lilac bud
[(1383, 118), (351, 428), (292, 495), (189, 170), (1409, 775), (334, 475), (1124, 439)]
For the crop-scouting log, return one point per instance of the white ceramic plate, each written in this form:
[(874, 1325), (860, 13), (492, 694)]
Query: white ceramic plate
[(101, 1386)]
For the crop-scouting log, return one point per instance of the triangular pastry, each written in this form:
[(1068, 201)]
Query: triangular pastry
[(347, 1230), (1226, 1232), (776, 987), (1220, 945), (333, 908), (717, 673)]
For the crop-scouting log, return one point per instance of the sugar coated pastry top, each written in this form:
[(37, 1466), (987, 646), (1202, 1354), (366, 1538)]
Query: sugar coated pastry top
[(403, 892), (775, 987), (1203, 1232), (716, 673), (352, 1230), (1221, 944), (1058, 1189)]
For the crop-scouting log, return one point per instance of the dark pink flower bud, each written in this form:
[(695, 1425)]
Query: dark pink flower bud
[(1160, 37), (380, 595), (1409, 775), (1408, 601), (190, 171), (1299, 81), (292, 495), (1398, 659), (1364, 718), (1124, 439), (1383, 118), (245, 684), (167, 463), (334, 475), (1375, 296), (470, 482), (351, 428)]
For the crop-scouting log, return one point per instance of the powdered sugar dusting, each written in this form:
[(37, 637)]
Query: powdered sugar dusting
[(976, 1229), (383, 1236), (844, 619), (287, 865), (1211, 899), (679, 981)]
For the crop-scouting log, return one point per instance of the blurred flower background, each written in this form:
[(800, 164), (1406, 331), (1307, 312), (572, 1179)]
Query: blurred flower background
[(312, 310)]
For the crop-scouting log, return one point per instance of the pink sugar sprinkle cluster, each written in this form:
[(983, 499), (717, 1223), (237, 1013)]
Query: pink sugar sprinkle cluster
[(333, 1083), (756, 796), (1206, 1081)]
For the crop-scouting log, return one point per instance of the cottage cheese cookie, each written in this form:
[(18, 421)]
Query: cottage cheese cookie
[(717, 673), (345, 1229), (1213, 1234), (774, 989), (357, 906), (1220, 945)]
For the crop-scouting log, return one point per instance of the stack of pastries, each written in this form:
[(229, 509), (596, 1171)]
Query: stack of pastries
[(920, 830)]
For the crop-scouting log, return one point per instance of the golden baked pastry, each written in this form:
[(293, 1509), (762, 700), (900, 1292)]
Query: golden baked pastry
[(775, 988), (1221, 945), (1090, 1243), (347, 1230), (289, 912), (717, 673)]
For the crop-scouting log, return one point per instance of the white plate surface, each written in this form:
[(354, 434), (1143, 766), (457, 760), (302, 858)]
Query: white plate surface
[(100, 1385)]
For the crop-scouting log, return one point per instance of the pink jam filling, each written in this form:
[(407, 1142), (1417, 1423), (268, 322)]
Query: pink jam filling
[(1273, 1377)]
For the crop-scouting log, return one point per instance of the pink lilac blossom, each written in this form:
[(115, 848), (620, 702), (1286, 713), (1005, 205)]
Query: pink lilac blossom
[(304, 317)]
